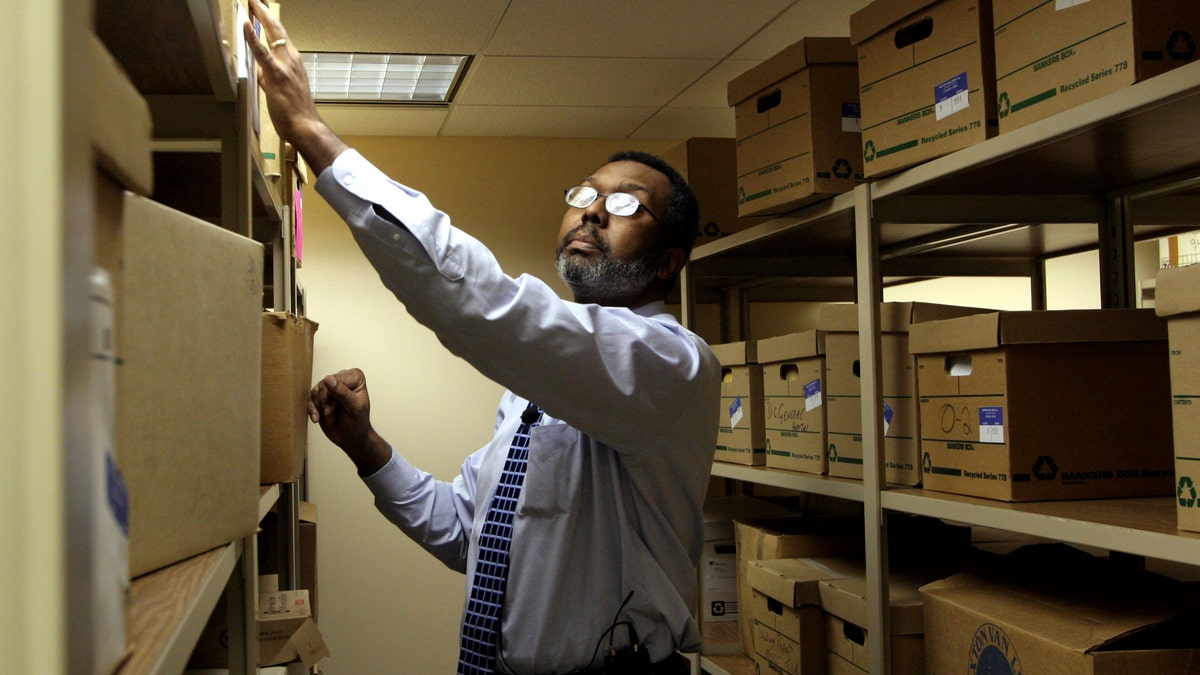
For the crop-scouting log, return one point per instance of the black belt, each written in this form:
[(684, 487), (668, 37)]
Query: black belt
[(675, 664)]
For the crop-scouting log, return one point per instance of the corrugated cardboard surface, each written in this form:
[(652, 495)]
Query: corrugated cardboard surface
[(741, 438), (1051, 57), (849, 650), (718, 606), (806, 149), (1051, 420), (799, 537), (994, 329), (1047, 611), (188, 325), (710, 167), (287, 348), (788, 632), (794, 414), (1177, 297), (120, 122), (900, 86)]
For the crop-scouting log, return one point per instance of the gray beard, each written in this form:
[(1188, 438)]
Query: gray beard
[(606, 280)]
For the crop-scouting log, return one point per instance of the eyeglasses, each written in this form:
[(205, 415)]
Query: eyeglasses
[(617, 203)]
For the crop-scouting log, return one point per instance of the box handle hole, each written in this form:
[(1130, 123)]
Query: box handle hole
[(774, 606), (854, 634), (789, 371), (959, 365), (914, 33), (726, 375), (855, 369), (770, 100)]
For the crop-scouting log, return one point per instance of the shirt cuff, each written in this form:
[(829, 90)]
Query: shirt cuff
[(393, 479)]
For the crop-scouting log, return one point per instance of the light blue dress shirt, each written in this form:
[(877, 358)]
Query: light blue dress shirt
[(611, 506)]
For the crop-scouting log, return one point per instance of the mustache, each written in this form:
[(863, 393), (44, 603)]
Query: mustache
[(590, 231)]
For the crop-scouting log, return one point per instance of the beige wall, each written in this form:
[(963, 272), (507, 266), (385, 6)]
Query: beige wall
[(386, 606)]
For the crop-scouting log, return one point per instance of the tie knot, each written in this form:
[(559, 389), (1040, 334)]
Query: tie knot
[(531, 414)]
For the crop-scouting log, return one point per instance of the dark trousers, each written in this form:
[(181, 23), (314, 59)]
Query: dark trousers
[(675, 664)]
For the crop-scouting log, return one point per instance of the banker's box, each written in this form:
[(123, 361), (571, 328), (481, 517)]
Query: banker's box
[(710, 167), (899, 387), (740, 436), (1041, 610), (287, 349), (788, 537), (789, 627), (844, 604), (797, 127), (1046, 405), (1053, 56), (188, 324), (926, 74), (793, 372), (1177, 297), (718, 606)]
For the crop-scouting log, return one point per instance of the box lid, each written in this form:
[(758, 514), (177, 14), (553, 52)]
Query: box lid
[(844, 594), (987, 331), (1052, 590), (736, 353), (791, 346), (121, 127), (894, 317), (880, 14), (789, 580), (1177, 290), (796, 57)]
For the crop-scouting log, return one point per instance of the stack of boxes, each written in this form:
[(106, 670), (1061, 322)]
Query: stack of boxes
[(1178, 300)]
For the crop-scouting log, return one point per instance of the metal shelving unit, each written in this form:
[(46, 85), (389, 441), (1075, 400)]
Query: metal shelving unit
[(1098, 177), (207, 165)]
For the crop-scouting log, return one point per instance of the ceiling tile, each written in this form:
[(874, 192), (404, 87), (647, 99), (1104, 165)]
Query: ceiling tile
[(710, 91), (816, 18), (630, 28), (521, 80), (364, 120), (399, 26), (687, 123), (549, 122)]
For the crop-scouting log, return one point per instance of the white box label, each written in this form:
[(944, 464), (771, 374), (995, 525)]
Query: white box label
[(991, 424)]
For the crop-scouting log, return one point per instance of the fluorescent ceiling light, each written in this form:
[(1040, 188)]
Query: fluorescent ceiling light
[(383, 78)]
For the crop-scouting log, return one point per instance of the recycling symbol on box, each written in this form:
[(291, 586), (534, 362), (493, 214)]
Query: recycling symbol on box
[(1003, 104), (1186, 492), (1045, 468), (1181, 46), (842, 169), (928, 463), (832, 453), (711, 229), (869, 151)]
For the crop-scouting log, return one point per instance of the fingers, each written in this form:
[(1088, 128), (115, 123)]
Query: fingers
[(342, 389), (273, 34)]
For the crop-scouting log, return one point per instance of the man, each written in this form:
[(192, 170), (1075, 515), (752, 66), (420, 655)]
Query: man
[(611, 409)]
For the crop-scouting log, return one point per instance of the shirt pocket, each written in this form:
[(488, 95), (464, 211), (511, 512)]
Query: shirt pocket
[(551, 477)]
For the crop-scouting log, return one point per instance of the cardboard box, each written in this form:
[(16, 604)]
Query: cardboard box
[(1051, 57), (926, 74), (710, 167), (797, 126), (119, 133), (188, 323), (287, 349), (271, 554), (1038, 611), (843, 594), (1178, 299), (718, 606), (792, 537), (793, 372), (287, 632), (269, 142), (1046, 405), (844, 396), (741, 438), (789, 626)]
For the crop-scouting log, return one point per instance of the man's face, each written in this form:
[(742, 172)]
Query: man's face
[(610, 259)]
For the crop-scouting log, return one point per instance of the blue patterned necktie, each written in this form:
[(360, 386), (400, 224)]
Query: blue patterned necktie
[(481, 622)]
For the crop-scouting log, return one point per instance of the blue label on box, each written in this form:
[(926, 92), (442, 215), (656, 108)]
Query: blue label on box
[(991, 424)]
